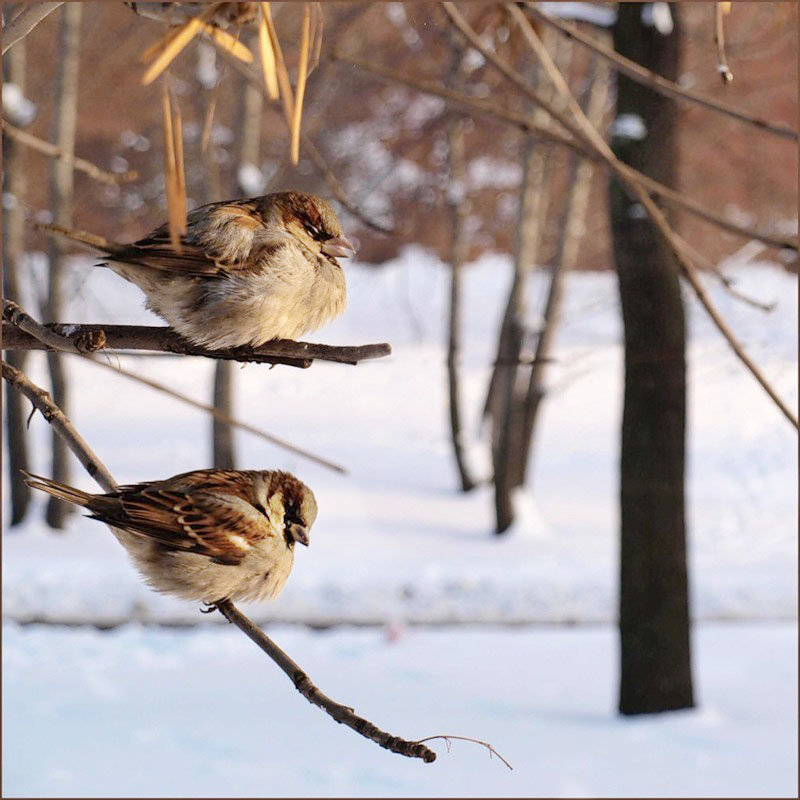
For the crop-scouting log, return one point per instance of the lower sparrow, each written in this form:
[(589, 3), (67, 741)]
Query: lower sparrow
[(247, 271), (207, 535)]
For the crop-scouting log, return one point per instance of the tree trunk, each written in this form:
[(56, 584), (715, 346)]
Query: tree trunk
[(654, 609), (14, 185), (572, 227), (459, 204), (504, 396), (61, 191)]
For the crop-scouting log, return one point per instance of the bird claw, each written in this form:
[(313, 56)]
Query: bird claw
[(210, 608)]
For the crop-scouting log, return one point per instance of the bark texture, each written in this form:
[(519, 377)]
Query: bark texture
[(654, 608)]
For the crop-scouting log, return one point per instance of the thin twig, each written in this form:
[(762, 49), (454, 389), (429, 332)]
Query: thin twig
[(447, 737), (220, 415), (165, 340), (707, 264), (719, 40), (25, 22), (657, 83), (338, 192), (635, 189), (63, 427), (342, 714), (526, 124), (80, 164)]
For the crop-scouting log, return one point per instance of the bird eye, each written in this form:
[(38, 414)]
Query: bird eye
[(317, 233)]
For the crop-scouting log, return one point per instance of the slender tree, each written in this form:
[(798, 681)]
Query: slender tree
[(654, 609), (459, 206), (14, 185), (571, 229), (62, 189)]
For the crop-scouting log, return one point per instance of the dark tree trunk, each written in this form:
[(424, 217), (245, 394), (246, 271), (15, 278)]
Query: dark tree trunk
[(62, 184), (654, 609), (14, 184)]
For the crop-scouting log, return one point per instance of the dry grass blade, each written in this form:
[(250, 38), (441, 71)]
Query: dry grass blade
[(208, 121), (172, 50), (302, 75), (719, 40), (317, 27), (172, 180), (180, 169), (225, 41), (280, 65), (268, 60)]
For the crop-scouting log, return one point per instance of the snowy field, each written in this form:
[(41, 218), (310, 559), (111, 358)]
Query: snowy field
[(143, 710), (138, 712)]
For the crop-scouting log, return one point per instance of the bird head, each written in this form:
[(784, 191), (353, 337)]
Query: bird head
[(311, 221), (289, 500)]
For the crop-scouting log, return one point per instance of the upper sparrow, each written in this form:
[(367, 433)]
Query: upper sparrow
[(247, 271), (207, 535)]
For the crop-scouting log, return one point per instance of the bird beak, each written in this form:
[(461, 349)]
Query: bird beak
[(299, 534), (338, 247)]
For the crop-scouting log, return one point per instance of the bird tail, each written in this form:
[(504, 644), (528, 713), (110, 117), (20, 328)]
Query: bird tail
[(56, 489), (105, 246)]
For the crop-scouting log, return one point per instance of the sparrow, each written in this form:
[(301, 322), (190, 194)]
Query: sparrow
[(246, 272), (207, 535)]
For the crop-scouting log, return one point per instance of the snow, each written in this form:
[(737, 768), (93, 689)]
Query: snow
[(629, 126), (18, 108), (658, 16), (148, 712), (144, 710), (394, 539), (604, 16), (251, 179)]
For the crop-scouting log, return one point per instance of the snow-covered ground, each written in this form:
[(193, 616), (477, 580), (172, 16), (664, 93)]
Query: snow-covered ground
[(394, 539), (146, 710), (142, 712)]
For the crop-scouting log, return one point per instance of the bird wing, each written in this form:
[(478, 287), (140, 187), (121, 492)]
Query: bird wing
[(214, 525), (219, 238)]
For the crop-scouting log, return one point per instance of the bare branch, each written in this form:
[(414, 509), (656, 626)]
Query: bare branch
[(303, 684), (18, 317), (342, 714), (25, 22), (165, 340), (634, 188), (526, 124), (80, 164), (63, 427), (658, 84)]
